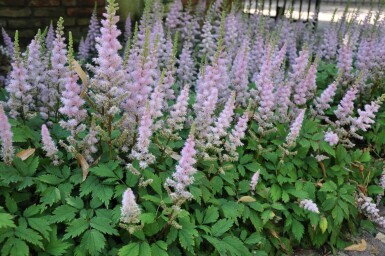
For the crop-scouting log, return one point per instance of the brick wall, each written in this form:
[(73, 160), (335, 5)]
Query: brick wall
[(29, 15)]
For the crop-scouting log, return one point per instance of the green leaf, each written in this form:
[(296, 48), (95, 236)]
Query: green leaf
[(41, 225), (375, 190), (145, 249), (235, 246), (329, 186), (103, 225), (253, 167), (57, 247), (15, 247), (63, 213), (216, 184), (298, 193), (104, 193), (104, 170), (323, 224), (211, 215), (275, 192), (297, 229), (187, 234), (159, 249), (76, 202), (131, 249), (76, 228), (50, 179), (6, 221), (93, 241), (147, 218), (50, 196), (329, 203), (221, 227), (29, 235), (253, 238)]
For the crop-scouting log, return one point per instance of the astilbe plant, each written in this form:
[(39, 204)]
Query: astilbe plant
[(264, 151)]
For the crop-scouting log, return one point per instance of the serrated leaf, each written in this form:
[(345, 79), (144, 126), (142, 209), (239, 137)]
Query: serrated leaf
[(103, 225), (104, 193), (29, 235), (329, 186), (15, 247), (145, 249), (221, 227), (57, 247), (41, 225), (6, 221), (246, 199), (104, 171), (63, 213), (50, 196), (76, 202), (50, 179), (298, 229), (235, 246), (275, 192), (187, 234), (159, 249), (211, 215), (76, 228), (131, 249), (93, 241), (147, 218)]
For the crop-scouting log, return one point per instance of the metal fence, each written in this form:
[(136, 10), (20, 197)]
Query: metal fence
[(301, 9)]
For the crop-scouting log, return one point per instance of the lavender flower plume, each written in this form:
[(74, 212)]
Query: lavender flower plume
[(84, 49), (223, 122), (72, 102), (295, 128), (207, 44), (365, 118), (48, 144), (346, 107), (127, 28), (57, 73), (157, 99), (20, 101), (309, 205), (186, 63), (254, 181), (130, 210), (322, 102), (7, 151), (8, 42), (173, 18), (109, 77), (49, 38), (184, 174), (235, 137), (240, 76), (93, 30), (37, 66), (304, 90), (141, 150), (370, 209), (331, 138), (179, 110), (345, 59)]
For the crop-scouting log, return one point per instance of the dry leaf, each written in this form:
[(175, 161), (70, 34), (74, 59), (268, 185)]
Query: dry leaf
[(82, 75), (24, 154), (84, 165), (360, 247), (381, 237), (246, 199)]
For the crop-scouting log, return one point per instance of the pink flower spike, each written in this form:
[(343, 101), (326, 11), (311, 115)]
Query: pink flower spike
[(48, 144), (254, 181), (7, 151), (130, 210)]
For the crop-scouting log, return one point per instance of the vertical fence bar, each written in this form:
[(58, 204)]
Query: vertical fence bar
[(308, 9), (270, 3)]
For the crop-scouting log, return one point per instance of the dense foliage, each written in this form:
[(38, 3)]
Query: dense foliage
[(210, 132)]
